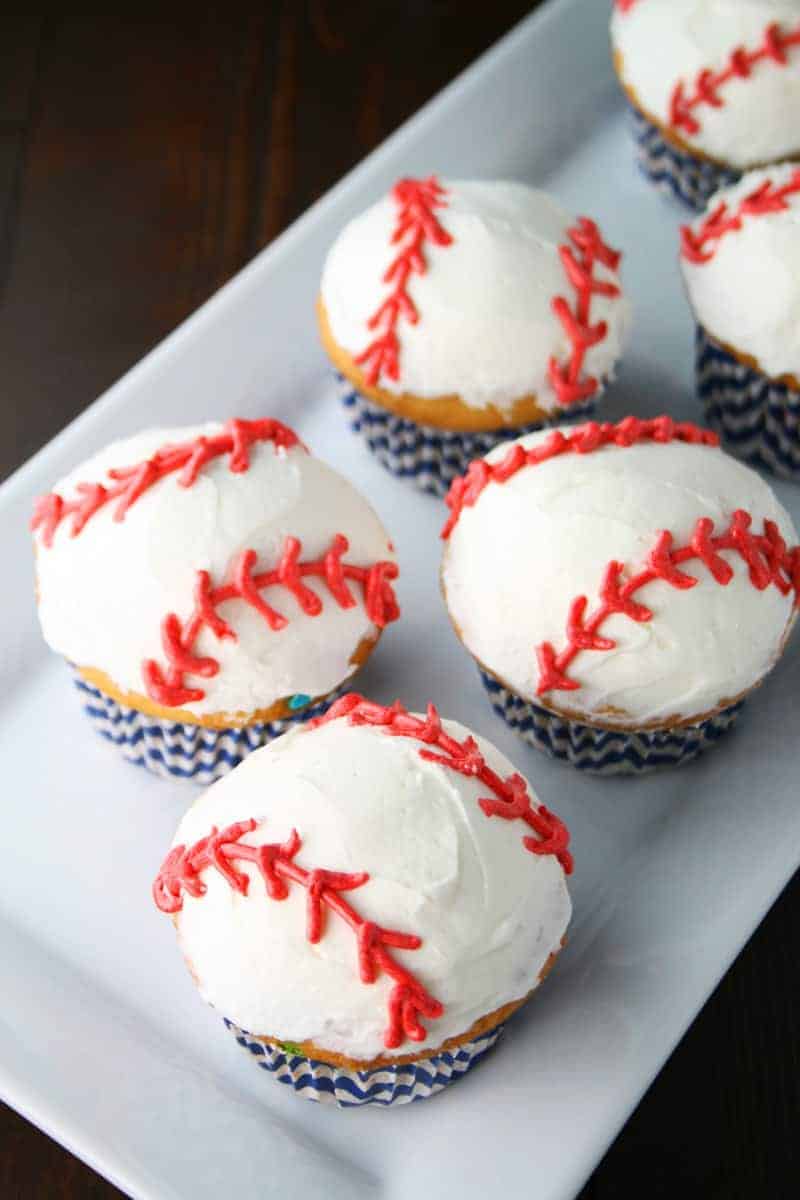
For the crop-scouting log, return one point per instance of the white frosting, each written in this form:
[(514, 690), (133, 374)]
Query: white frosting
[(486, 329), (517, 559), (664, 41), (489, 912), (104, 593), (748, 294)]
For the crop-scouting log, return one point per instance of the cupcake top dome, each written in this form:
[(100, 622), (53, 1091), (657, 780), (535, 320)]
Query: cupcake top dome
[(487, 292), (374, 883), (216, 569), (720, 76), (631, 573), (741, 264)]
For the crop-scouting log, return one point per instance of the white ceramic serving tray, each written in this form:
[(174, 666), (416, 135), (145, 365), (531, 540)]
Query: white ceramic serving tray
[(103, 1040)]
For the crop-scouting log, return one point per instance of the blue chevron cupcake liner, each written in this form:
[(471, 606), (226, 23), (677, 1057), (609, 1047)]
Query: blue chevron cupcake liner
[(692, 180), (177, 749), (757, 418), (328, 1084), (431, 458), (604, 751)]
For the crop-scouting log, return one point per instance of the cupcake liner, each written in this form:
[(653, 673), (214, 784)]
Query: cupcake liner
[(431, 458), (692, 180), (348, 1088), (605, 751), (174, 748), (758, 418)]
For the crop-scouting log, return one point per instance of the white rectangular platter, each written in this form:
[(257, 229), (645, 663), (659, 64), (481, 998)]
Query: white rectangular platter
[(103, 1041)]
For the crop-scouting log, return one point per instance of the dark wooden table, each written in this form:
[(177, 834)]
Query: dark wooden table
[(144, 160)]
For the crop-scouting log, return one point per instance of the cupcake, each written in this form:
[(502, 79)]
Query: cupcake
[(367, 900), (714, 86), (741, 265), (622, 588), (458, 315), (209, 586)]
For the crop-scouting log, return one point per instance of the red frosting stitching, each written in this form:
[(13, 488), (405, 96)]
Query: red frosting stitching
[(129, 483), (585, 439), (625, 6), (179, 638), (180, 872), (586, 239), (416, 200), (739, 66), (766, 199), (511, 800), (766, 555)]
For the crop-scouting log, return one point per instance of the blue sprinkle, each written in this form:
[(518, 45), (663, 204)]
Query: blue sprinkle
[(299, 701)]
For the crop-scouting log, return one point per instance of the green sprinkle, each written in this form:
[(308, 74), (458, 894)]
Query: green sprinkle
[(299, 701), (291, 1048)]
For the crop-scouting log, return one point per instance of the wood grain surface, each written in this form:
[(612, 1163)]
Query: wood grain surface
[(145, 156)]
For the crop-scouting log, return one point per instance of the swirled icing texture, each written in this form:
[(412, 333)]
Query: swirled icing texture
[(748, 293), (488, 912), (104, 594), (661, 42), (486, 329), (517, 559)]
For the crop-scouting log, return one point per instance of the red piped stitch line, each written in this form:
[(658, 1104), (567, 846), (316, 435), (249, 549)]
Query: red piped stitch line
[(416, 224), (700, 247), (566, 379), (510, 800), (129, 483), (465, 491), (766, 555), (625, 6), (180, 873), (708, 83), (177, 638)]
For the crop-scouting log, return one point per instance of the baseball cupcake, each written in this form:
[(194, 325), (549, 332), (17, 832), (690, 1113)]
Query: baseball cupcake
[(458, 315), (741, 264), (367, 900), (621, 587), (209, 587), (714, 86)]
